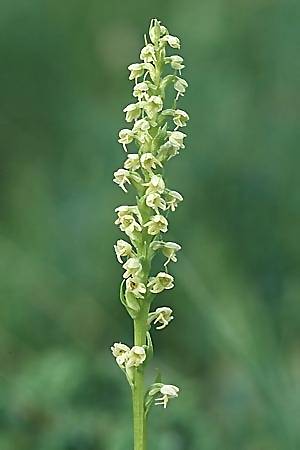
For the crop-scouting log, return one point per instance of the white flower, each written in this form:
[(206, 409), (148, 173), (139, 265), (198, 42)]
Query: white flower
[(122, 249), (132, 267), (148, 161), (125, 209), (140, 90), (168, 249), (125, 137), (134, 286), (172, 199), (173, 41), (153, 105), (157, 224), (180, 86), (133, 111), (140, 129), (121, 177), (162, 281), (168, 391), (176, 138), (175, 62), (167, 151), (120, 352), (148, 53), (132, 162), (180, 118), (136, 71), (155, 201), (155, 185), (161, 315), (136, 356), (128, 224)]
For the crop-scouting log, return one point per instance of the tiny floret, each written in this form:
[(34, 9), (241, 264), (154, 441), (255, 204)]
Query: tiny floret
[(123, 249), (137, 288), (148, 53), (136, 356), (162, 316), (155, 185), (121, 177), (161, 282), (132, 267), (125, 137), (132, 162), (173, 41), (168, 391), (157, 224), (120, 352)]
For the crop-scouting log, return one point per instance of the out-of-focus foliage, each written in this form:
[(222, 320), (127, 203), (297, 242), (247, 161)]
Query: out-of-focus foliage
[(234, 345)]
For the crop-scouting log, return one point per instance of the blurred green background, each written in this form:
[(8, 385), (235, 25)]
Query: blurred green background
[(234, 345)]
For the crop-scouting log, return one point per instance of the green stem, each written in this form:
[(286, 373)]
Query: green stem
[(139, 428)]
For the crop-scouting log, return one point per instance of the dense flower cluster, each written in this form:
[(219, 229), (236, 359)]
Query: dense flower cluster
[(150, 141)]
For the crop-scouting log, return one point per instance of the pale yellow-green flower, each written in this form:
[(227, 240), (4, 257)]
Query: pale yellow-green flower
[(157, 224), (153, 105), (155, 201), (180, 118), (137, 288), (120, 352), (162, 316), (132, 267), (123, 249), (160, 282), (128, 224), (148, 54), (155, 185), (140, 130), (172, 199), (175, 62), (149, 162), (173, 41), (176, 138), (132, 162), (136, 356), (168, 249), (133, 111), (126, 136), (136, 71), (121, 177), (168, 391), (180, 86), (140, 90)]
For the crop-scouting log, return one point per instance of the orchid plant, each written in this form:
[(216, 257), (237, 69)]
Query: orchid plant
[(155, 134)]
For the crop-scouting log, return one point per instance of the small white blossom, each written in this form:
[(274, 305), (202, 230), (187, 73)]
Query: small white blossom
[(161, 315), (176, 138), (155, 185), (172, 199), (125, 137), (120, 352), (121, 177), (161, 282), (168, 391), (133, 111), (180, 86), (173, 41), (153, 105), (132, 267), (136, 71), (136, 356), (134, 286), (148, 161), (168, 249), (167, 151), (132, 162), (180, 118), (140, 129), (148, 53), (125, 209), (157, 224), (175, 62), (122, 249), (140, 90), (155, 201), (128, 224)]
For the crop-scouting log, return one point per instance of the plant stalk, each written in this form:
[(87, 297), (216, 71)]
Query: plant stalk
[(138, 390)]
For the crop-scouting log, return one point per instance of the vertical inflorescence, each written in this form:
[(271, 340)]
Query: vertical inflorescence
[(156, 138)]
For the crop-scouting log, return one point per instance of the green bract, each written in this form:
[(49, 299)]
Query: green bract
[(154, 138)]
